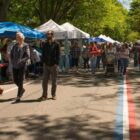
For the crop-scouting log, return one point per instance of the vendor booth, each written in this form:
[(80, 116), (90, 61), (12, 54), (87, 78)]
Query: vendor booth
[(9, 29), (59, 32)]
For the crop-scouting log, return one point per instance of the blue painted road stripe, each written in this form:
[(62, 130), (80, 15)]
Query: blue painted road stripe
[(119, 115)]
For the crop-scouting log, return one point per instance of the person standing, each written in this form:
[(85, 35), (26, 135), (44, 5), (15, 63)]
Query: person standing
[(93, 58), (19, 55), (75, 55), (124, 59), (62, 64), (99, 56), (86, 56), (50, 58)]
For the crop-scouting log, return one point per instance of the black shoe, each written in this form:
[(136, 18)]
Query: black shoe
[(17, 100), (42, 98), (23, 90), (53, 97)]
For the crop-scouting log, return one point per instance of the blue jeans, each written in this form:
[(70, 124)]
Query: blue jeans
[(93, 61), (62, 63), (67, 61), (123, 64)]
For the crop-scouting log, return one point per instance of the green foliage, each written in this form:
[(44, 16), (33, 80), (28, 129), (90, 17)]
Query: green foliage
[(23, 11), (134, 16), (102, 17), (93, 16), (133, 36)]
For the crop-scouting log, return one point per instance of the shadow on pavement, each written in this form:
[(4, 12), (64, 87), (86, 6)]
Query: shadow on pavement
[(9, 134), (6, 100), (67, 128), (32, 100), (83, 80), (96, 97)]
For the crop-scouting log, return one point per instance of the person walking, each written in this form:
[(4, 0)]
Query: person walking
[(19, 55), (50, 58)]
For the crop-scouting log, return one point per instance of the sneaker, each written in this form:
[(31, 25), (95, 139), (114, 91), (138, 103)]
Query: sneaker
[(1, 91), (54, 98), (42, 98)]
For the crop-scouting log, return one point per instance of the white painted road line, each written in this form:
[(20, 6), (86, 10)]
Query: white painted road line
[(11, 89)]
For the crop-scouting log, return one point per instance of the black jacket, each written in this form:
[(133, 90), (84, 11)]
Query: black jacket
[(50, 53)]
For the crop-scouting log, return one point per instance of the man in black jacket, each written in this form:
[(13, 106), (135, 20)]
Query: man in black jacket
[(50, 58)]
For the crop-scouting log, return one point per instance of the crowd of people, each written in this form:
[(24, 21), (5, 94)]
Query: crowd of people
[(19, 59), (92, 56)]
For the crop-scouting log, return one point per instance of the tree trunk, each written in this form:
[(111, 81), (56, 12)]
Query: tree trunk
[(4, 5)]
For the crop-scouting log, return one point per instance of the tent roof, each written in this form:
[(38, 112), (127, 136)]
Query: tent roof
[(71, 28), (50, 25), (9, 29), (108, 39), (96, 39), (59, 32)]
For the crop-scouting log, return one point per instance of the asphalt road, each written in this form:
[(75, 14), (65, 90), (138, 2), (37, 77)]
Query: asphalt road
[(86, 109)]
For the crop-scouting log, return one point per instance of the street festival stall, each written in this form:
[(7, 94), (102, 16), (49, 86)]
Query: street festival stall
[(75, 33), (9, 30), (64, 32), (96, 39), (108, 39), (59, 32)]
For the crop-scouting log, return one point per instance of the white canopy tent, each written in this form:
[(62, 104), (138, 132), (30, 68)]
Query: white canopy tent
[(59, 32), (108, 39), (73, 32)]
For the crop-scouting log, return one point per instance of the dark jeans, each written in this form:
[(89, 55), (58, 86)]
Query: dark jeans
[(47, 72), (135, 61), (3, 72), (86, 63), (124, 64), (18, 76), (119, 64), (98, 62), (103, 58), (75, 62)]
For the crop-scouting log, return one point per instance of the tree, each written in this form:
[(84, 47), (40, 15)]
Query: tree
[(133, 36), (102, 17), (93, 16), (134, 16), (39, 11), (4, 5)]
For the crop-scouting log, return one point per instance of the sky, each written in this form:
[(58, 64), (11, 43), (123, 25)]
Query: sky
[(126, 3)]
